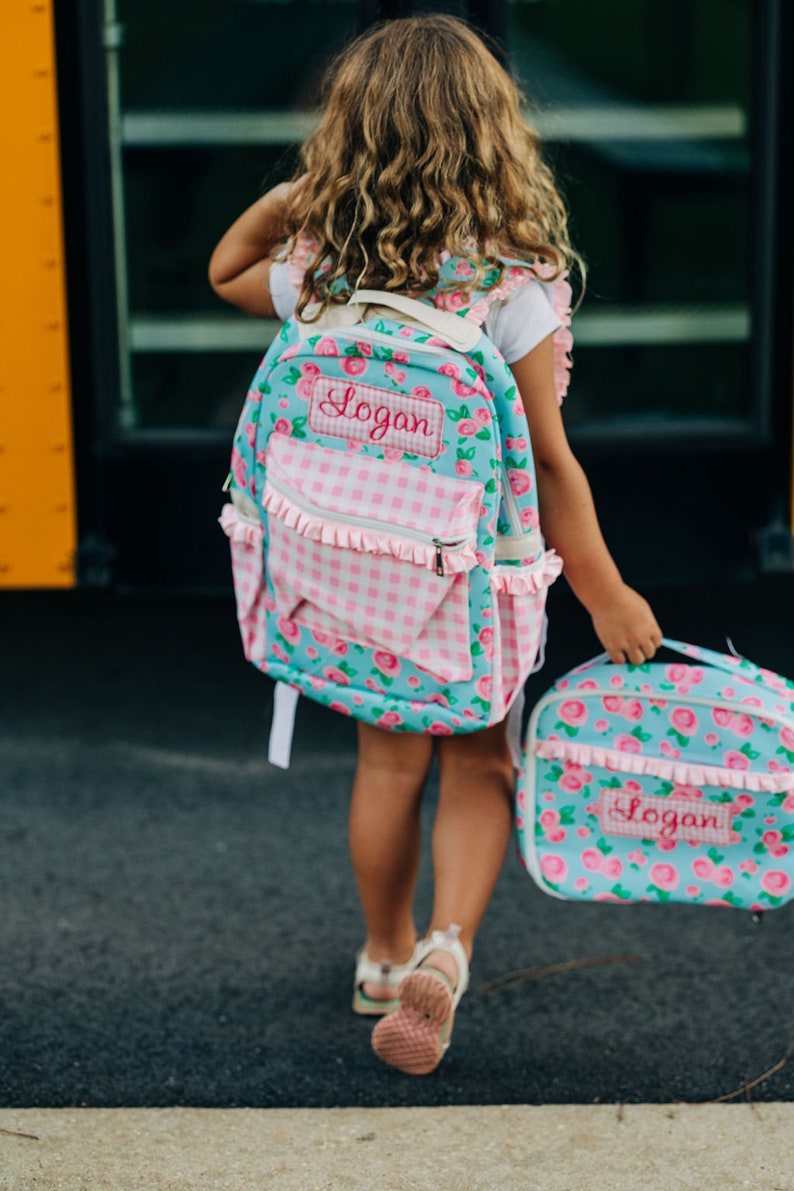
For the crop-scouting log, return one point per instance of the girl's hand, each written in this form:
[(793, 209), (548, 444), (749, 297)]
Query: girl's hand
[(627, 628)]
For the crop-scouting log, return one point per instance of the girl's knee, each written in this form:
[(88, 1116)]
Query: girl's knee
[(401, 753), (477, 752)]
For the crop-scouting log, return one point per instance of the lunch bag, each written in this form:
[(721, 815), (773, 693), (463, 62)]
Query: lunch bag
[(661, 783), (386, 549)]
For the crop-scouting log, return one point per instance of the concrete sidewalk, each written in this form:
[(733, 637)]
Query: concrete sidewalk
[(512, 1148)]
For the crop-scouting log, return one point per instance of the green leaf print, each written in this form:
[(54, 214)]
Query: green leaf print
[(620, 892), (476, 649), (469, 455), (567, 816), (662, 895), (748, 752), (483, 434), (491, 487), (715, 856), (603, 847)]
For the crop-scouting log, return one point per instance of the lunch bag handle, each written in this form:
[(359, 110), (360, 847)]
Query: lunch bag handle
[(730, 664)]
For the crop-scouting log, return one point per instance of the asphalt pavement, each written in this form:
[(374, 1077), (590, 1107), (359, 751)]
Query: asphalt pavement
[(179, 919)]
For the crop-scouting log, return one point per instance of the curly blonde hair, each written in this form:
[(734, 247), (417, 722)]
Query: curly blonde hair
[(421, 148)]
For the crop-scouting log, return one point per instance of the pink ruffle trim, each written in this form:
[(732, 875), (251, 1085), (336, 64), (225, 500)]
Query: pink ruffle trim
[(526, 580), (680, 772), (354, 537), (299, 260), (561, 296), (239, 529)]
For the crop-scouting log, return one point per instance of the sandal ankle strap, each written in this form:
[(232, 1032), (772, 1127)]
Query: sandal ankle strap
[(447, 940), (371, 971)]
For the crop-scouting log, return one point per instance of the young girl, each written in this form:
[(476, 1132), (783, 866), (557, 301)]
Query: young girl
[(422, 151)]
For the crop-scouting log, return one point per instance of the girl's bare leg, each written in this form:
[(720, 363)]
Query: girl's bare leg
[(385, 837), (472, 831)]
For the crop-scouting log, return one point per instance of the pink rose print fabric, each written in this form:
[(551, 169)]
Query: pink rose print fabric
[(663, 782)]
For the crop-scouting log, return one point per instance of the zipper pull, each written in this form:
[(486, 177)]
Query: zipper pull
[(227, 483), (439, 556)]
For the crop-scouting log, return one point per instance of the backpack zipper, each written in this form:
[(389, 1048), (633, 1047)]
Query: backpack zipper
[(314, 510), (511, 505)]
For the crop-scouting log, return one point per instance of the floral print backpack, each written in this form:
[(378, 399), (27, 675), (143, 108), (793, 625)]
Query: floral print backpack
[(662, 783), (386, 549)]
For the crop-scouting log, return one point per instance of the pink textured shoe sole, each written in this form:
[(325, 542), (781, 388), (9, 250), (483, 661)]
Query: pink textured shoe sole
[(410, 1037)]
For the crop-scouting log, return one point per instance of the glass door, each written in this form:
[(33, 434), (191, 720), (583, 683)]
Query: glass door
[(207, 102), (659, 117), (646, 107)]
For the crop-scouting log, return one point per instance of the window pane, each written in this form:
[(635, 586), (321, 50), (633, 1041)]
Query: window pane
[(208, 94), (644, 104)]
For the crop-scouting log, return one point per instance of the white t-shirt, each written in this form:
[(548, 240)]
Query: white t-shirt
[(523, 320)]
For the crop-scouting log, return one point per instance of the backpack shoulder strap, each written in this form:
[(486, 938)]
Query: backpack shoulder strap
[(459, 333)]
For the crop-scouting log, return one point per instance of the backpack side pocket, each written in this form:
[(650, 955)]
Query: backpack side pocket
[(520, 597), (246, 544)]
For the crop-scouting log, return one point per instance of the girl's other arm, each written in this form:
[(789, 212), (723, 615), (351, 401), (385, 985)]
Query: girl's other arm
[(239, 269), (622, 619)]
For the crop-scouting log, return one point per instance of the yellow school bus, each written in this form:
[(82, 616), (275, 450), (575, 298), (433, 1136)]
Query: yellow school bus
[(135, 131)]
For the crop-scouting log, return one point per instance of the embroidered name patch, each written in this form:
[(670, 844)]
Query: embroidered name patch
[(366, 414), (649, 816)]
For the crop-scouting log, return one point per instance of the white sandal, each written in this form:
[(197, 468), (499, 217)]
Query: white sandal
[(415, 1036), (370, 971)]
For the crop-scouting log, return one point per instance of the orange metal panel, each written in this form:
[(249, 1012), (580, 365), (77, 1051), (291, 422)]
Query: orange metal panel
[(37, 503)]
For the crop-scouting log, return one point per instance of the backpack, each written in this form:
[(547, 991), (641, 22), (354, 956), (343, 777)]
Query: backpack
[(386, 550), (662, 783)]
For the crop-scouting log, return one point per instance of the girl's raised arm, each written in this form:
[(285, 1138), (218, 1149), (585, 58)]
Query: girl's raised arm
[(239, 270), (622, 619)]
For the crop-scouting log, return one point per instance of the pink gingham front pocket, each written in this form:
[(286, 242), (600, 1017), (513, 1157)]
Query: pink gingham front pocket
[(377, 554)]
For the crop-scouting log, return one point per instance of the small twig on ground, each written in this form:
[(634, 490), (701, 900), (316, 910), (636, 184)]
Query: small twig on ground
[(13, 1133), (621, 1106), (748, 1085), (512, 979), (750, 1100)]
